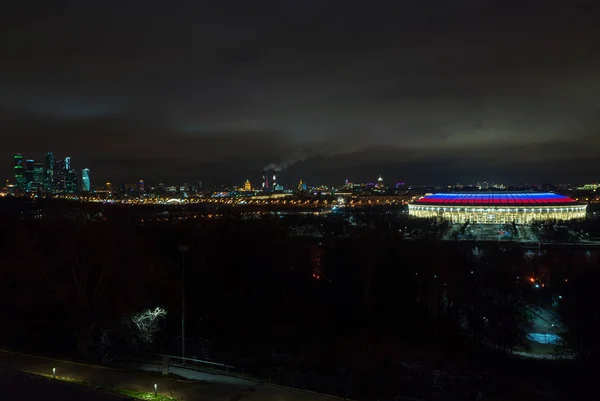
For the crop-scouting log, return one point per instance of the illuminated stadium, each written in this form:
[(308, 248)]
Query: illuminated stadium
[(496, 208)]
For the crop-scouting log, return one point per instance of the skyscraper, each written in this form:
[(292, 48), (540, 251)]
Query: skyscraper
[(85, 180), (19, 171), (49, 172), (38, 176), (59, 174), (71, 181), (29, 164)]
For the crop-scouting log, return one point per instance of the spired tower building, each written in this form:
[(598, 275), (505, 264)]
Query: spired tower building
[(70, 177)]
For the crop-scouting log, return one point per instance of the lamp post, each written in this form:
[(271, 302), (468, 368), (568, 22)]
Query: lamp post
[(183, 249)]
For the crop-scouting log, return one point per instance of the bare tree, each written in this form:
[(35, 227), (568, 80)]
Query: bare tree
[(145, 325)]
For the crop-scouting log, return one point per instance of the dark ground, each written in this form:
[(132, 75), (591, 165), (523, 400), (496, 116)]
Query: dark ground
[(18, 386)]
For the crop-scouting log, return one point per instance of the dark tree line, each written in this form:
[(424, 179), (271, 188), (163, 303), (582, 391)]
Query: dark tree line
[(250, 289), (83, 276)]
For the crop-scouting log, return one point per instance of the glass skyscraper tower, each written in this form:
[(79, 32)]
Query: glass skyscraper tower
[(85, 180)]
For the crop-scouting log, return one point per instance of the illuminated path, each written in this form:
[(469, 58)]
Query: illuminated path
[(18, 386), (213, 387)]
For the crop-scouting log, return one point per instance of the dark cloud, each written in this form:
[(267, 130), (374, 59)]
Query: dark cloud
[(217, 90), (130, 149)]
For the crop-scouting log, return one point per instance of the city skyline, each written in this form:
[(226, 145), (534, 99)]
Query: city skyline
[(63, 165), (49, 176), (422, 93)]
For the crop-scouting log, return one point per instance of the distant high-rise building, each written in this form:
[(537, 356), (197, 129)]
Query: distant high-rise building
[(247, 186), (265, 181), (108, 187), (29, 173), (19, 172), (141, 186), (60, 173), (302, 186), (49, 172), (71, 181), (85, 180), (38, 176)]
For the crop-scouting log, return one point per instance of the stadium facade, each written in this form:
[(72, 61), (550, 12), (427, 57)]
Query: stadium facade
[(497, 207)]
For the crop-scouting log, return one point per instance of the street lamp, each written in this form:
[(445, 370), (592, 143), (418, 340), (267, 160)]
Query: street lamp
[(183, 249)]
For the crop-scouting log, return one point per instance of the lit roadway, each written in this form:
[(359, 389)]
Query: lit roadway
[(211, 387)]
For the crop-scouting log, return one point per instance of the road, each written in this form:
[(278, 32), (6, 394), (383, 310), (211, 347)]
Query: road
[(546, 320), (214, 387)]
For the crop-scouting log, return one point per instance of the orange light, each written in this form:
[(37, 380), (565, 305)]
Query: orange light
[(532, 279)]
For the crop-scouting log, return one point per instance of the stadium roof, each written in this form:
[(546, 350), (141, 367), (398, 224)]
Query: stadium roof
[(497, 199)]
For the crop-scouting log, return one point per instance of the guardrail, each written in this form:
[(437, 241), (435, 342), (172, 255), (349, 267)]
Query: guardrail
[(194, 360), (166, 361)]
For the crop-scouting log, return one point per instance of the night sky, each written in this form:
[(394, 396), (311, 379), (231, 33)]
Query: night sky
[(431, 91)]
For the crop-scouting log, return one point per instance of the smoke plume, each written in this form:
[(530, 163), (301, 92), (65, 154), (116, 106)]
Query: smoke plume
[(291, 159)]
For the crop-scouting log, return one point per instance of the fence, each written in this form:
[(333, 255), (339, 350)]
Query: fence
[(190, 364)]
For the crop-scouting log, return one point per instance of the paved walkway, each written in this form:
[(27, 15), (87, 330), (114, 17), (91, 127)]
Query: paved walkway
[(213, 387), (18, 386)]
